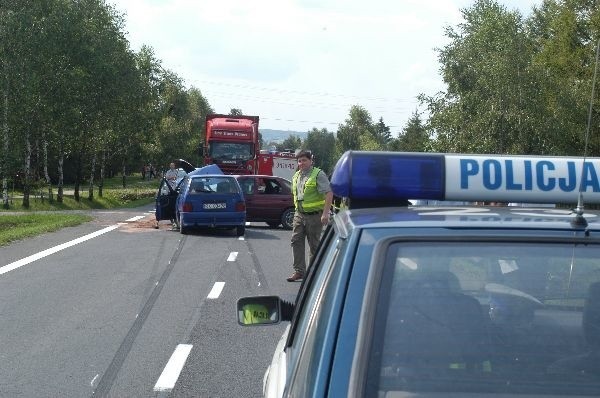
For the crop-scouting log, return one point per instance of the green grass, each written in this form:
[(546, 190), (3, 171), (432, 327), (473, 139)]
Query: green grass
[(137, 193), (16, 227), (33, 221)]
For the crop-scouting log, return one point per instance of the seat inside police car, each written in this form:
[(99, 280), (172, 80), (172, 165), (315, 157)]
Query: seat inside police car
[(433, 327), (588, 363)]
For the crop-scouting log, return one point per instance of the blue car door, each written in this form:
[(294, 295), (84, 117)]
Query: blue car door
[(166, 199)]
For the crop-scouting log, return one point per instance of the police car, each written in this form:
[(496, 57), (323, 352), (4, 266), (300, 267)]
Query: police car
[(417, 301)]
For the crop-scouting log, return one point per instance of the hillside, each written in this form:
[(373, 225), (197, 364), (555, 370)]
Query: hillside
[(278, 136)]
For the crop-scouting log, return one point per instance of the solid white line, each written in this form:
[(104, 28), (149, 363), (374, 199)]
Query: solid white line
[(135, 218), (232, 256), (215, 292), (171, 372), (247, 223), (52, 250)]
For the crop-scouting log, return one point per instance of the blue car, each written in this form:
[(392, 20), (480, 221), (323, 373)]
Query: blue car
[(203, 198), (211, 201), (482, 300)]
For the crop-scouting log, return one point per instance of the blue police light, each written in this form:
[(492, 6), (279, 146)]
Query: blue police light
[(390, 178), (385, 178)]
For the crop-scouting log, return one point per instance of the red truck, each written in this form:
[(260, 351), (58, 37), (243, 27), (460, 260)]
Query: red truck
[(275, 163), (232, 143)]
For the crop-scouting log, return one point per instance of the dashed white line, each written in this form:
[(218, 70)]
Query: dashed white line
[(93, 380), (171, 372), (232, 256), (216, 290), (135, 218), (241, 237), (19, 263)]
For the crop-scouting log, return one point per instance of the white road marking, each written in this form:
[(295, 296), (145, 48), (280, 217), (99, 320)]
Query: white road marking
[(171, 372), (52, 250), (232, 256), (215, 292), (135, 218), (247, 223), (93, 380), (241, 237)]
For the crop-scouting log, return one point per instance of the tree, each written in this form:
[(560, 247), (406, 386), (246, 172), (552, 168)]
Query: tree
[(382, 133), (321, 142), (492, 91), (235, 112), (292, 142), (565, 37), (414, 136), (358, 124)]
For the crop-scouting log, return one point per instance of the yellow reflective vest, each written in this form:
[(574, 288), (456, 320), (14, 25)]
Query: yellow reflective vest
[(313, 200)]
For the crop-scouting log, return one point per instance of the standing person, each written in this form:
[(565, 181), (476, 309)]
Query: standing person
[(171, 175), (312, 199)]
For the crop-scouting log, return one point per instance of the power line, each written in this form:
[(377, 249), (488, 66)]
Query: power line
[(313, 93), (321, 105), (308, 121)]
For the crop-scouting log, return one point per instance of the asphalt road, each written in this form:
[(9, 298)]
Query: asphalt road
[(119, 312)]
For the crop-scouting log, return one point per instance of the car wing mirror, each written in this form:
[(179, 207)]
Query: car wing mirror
[(263, 310)]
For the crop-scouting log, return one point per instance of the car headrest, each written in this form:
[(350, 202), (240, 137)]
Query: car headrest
[(591, 315)]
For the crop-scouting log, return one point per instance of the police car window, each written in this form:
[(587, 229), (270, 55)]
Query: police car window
[(488, 317), (311, 322)]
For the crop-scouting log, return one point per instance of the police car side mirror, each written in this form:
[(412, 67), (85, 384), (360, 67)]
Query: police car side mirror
[(263, 310)]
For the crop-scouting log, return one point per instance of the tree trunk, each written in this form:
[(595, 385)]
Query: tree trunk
[(46, 175), (93, 170), (102, 165), (123, 173), (26, 173), (77, 178), (61, 160), (3, 161)]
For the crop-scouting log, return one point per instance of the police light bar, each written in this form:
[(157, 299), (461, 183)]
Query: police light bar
[(393, 177)]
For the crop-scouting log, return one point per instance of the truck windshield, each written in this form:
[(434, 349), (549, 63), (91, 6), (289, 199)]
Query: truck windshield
[(488, 318), (230, 151)]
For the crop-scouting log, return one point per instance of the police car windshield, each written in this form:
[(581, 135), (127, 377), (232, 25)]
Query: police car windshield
[(487, 317)]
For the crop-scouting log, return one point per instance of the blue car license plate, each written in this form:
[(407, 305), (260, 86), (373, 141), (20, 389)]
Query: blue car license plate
[(214, 206)]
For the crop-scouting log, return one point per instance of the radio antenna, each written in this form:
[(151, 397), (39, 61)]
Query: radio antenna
[(579, 220)]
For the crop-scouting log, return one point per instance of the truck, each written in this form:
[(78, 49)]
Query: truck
[(232, 143), (277, 163)]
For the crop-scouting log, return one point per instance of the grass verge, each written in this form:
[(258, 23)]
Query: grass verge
[(34, 221), (16, 227), (137, 193)]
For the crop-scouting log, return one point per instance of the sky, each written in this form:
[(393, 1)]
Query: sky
[(299, 64)]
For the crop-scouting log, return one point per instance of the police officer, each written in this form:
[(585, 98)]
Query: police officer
[(312, 199)]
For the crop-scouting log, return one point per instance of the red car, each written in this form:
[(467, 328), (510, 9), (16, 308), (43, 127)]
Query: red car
[(268, 199)]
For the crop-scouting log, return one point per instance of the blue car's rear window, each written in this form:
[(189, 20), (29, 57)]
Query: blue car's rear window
[(209, 185)]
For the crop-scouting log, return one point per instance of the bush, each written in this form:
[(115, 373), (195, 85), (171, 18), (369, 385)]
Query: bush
[(129, 195)]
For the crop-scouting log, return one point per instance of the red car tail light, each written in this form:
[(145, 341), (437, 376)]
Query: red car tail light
[(240, 206), (187, 207)]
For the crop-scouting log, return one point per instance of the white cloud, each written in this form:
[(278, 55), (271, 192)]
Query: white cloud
[(301, 60)]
